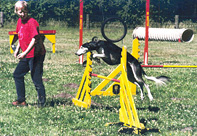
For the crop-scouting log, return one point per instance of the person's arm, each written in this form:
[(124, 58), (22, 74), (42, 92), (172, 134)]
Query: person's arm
[(17, 50), (23, 54)]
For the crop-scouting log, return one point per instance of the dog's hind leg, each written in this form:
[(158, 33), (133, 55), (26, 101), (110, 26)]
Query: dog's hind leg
[(141, 90), (137, 72), (135, 76), (149, 93)]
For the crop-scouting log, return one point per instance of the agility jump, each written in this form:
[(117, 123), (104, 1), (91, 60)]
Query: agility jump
[(127, 113)]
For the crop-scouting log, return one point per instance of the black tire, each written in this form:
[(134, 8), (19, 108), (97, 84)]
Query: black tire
[(103, 31)]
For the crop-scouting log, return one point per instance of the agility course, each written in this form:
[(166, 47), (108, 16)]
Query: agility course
[(172, 112)]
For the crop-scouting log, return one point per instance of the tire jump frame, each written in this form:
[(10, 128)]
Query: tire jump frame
[(127, 113)]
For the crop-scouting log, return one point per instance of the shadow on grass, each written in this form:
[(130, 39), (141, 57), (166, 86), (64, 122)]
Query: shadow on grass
[(126, 130), (65, 99), (52, 102), (106, 107), (150, 108), (138, 131)]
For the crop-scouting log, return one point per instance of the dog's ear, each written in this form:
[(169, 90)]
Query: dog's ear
[(95, 39)]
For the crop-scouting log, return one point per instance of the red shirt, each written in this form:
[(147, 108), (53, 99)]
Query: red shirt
[(26, 31)]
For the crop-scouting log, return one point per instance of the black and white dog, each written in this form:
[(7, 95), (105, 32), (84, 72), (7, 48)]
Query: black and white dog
[(111, 54)]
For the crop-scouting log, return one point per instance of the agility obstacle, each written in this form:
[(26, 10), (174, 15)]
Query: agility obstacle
[(120, 86), (164, 34), (49, 34), (135, 53)]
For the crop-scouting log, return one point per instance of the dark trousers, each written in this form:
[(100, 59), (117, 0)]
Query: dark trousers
[(35, 66)]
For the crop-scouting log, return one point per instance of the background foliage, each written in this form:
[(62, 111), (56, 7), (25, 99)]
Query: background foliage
[(132, 11)]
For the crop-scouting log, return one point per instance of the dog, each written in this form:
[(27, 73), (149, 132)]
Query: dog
[(110, 53)]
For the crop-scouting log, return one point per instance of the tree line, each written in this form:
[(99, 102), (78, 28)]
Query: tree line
[(132, 11)]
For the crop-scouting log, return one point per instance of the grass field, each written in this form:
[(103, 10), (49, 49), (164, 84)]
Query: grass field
[(172, 112)]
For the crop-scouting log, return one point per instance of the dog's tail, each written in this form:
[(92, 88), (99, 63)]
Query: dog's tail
[(161, 80)]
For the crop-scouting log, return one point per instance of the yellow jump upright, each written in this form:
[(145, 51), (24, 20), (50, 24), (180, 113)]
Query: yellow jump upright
[(127, 113), (83, 98)]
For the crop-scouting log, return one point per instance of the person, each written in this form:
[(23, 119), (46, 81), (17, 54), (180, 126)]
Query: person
[(32, 56)]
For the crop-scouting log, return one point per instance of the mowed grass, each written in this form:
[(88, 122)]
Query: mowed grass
[(172, 112)]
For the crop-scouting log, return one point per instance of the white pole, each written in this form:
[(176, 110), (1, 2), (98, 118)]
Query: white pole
[(1, 13)]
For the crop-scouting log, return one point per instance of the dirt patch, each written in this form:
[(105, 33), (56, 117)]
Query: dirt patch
[(96, 104), (69, 96), (178, 99), (187, 129), (71, 85), (45, 79), (64, 95)]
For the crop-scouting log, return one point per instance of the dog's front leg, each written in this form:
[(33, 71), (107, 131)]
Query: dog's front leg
[(98, 55), (97, 60)]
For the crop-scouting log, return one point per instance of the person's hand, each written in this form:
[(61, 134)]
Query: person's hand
[(21, 55), (16, 53)]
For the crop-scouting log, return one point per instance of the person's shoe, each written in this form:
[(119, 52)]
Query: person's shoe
[(17, 103)]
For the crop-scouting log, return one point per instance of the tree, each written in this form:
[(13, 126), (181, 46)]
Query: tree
[(132, 11)]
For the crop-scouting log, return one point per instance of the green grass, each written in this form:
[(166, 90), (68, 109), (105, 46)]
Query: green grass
[(173, 111)]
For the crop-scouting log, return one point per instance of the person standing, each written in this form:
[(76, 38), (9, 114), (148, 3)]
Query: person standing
[(31, 57)]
